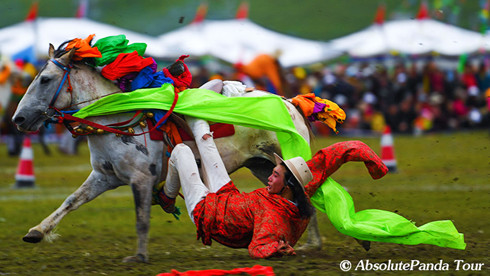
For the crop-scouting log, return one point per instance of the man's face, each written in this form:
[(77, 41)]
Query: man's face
[(275, 182)]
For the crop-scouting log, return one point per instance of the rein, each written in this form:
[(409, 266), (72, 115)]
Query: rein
[(66, 118)]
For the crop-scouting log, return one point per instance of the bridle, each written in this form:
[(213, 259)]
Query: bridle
[(65, 118), (66, 76)]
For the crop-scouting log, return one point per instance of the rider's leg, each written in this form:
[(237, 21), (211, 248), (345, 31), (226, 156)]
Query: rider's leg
[(183, 171), (213, 167)]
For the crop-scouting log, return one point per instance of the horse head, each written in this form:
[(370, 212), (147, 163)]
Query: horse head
[(61, 85), (36, 105)]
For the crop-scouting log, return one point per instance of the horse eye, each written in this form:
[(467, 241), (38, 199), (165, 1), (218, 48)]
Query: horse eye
[(45, 80)]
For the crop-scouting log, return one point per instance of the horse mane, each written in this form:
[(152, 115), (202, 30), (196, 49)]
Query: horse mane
[(62, 50)]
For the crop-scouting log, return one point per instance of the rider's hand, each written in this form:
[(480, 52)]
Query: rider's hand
[(285, 249)]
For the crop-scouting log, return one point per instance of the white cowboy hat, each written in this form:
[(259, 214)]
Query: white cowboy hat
[(298, 167)]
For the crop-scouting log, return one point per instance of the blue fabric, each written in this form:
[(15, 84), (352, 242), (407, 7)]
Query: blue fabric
[(159, 79), (28, 54), (270, 87), (158, 115), (147, 78)]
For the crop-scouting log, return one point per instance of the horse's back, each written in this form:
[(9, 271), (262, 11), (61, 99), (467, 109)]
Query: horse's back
[(254, 148), (299, 120)]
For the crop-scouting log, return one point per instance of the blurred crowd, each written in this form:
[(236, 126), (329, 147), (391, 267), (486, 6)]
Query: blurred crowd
[(410, 97)]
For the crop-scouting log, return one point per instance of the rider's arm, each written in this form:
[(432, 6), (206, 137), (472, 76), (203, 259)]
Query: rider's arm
[(328, 160)]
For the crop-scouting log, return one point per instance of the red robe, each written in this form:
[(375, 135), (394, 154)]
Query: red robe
[(259, 220)]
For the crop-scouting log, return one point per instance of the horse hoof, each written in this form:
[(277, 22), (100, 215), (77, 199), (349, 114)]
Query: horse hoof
[(136, 259), (365, 244), (33, 236), (310, 246)]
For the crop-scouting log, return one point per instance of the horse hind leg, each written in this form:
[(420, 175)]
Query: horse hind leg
[(142, 201), (314, 240), (90, 189)]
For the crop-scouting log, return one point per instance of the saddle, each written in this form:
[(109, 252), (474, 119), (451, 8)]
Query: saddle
[(219, 130), (177, 129)]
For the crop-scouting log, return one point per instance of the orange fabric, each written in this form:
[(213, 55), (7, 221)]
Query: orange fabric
[(5, 74), (180, 89), (264, 66), (331, 114), (83, 48), (171, 129), (173, 133), (305, 102), (18, 89)]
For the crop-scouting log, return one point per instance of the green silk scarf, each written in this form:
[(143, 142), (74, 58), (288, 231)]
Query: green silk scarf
[(266, 112), (380, 225), (269, 112)]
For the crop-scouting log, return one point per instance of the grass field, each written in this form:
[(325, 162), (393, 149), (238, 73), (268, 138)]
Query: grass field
[(441, 176)]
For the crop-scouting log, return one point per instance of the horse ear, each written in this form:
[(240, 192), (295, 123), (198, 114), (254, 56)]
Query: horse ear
[(51, 51), (66, 58)]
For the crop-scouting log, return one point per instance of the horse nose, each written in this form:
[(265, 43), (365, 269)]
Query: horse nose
[(19, 120)]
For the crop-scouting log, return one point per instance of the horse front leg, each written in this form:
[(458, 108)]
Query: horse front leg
[(314, 240), (95, 184), (142, 201)]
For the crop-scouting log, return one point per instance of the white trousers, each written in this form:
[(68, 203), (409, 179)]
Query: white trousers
[(183, 172)]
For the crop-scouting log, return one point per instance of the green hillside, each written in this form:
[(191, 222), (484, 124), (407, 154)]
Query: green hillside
[(312, 19)]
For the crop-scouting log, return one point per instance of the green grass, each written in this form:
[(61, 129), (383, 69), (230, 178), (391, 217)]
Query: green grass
[(441, 176)]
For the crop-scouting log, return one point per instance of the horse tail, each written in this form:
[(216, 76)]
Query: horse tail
[(305, 120)]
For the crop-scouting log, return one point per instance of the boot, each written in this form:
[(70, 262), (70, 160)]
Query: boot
[(167, 203)]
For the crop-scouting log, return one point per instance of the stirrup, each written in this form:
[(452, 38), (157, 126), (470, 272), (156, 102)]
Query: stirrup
[(167, 203)]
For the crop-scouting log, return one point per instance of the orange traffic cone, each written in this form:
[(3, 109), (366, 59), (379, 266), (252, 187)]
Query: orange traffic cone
[(387, 151), (24, 178)]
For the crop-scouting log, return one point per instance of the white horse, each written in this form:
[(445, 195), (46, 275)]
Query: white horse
[(127, 160)]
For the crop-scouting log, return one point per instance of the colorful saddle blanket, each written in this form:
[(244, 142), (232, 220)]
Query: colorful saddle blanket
[(219, 130)]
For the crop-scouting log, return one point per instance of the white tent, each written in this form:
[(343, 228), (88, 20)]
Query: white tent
[(411, 37), (240, 40), (40, 33)]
